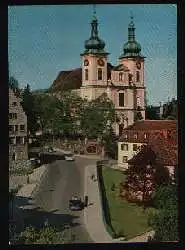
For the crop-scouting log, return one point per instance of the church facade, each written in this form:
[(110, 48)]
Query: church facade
[(125, 83)]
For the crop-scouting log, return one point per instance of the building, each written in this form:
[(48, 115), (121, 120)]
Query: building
[(142, 133), (17, 129), (123, 83)]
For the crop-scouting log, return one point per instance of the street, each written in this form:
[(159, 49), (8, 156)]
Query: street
[(63, 180)]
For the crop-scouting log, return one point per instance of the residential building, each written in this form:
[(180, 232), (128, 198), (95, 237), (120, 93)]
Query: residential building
[(139, 134), (17, 129), (123, 83)]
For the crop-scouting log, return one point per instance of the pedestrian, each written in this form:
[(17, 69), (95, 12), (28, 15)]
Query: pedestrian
[(86, 201)]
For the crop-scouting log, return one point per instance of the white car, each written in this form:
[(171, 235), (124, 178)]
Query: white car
[(69, 157)]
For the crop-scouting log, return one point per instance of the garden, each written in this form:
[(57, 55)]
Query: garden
[(127, 219)]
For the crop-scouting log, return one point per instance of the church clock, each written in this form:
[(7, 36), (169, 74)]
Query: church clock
[(86, 62), (101, 62), (138, 65)]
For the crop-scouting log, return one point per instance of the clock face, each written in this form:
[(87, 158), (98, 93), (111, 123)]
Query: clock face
[(101, 62), (138, 65), (86, 62)]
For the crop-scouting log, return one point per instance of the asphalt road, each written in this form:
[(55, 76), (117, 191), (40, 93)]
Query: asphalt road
[(63, 180)]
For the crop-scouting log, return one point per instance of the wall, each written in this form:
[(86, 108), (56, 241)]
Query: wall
[(130, 153)]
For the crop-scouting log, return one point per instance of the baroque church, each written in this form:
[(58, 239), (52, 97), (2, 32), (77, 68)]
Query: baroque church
[(124, 83)]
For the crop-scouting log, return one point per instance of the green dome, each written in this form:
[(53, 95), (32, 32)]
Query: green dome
[(94, 43), (132, 48)]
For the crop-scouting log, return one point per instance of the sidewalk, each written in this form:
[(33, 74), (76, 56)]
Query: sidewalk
[(93, 218)]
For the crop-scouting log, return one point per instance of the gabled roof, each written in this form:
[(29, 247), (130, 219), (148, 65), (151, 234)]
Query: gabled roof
[(120, 67), (153, 125), (72, 79)]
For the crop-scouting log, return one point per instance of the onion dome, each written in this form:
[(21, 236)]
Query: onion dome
[(94, 44), (131, 48)]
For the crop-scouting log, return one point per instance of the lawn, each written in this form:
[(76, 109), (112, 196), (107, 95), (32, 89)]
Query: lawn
[(128, 219)]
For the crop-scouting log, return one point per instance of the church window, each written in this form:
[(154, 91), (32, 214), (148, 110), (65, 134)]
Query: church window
[(120, 76), (124, 147), (137, 76), (121, 99), (86, 74), (125, 159), (99, 74)]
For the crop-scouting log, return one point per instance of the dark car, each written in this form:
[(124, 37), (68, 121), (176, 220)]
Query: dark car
[(76, 204)]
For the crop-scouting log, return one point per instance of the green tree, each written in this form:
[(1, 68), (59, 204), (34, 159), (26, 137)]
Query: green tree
[(165, 221), (151, 113), (29, 109), (97, 117), (45, 235), (14, 85)]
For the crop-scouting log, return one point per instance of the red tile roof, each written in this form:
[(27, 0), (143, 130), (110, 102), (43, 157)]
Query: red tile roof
[(153, 125), (164, 149)]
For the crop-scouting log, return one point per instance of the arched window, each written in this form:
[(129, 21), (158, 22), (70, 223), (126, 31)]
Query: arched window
[(99, 74), (137, 76), (86, 74), (121, 99), (120, 76)]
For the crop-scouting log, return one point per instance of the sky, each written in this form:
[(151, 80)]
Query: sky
[(44, 40)]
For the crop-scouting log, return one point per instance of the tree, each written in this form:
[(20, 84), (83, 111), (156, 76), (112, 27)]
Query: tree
[(45, 235), (165, 221), (143, 176), (151, 113), (14, 85), (28, 105), (97, 117)]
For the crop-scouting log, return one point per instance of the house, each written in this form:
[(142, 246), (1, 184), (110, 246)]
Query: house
[(123, 83), (17, 129), (139, 134)]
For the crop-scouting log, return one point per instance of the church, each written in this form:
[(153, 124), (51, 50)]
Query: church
[(124, 83)]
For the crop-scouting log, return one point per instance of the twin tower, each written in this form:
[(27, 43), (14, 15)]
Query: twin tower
[(124, 83)]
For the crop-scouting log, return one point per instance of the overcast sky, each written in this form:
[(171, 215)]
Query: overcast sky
[(43, 40)]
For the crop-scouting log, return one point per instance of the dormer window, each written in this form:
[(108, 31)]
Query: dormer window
[(125, 136), (120, 77), (135, 136), (145, 136)]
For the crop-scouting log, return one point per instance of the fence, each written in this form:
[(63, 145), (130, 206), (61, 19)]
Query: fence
[(104, 202)]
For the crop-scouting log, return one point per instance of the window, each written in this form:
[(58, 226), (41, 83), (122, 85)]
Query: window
[(18, 140), (124, 147), (125, 159), (120, 76), (11, 128), (16, 128), (22, 128), (14, 104), (99, 74), (121, 99), (86, 74), (135, 147), (137, 76), (12, 116), (125, 136), (135, 136), (11, 140)]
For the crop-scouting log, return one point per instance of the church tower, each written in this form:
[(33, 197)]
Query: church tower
[(128, 79), (134, 61), (94, 64)]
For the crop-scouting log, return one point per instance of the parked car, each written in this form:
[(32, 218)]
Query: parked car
[(69, 157), (76, 204)]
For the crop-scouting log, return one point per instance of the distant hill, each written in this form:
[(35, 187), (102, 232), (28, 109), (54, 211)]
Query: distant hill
[(40, 91)]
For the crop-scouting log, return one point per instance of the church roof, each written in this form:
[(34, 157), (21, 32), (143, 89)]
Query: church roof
[(72, 79), (120, 67)]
